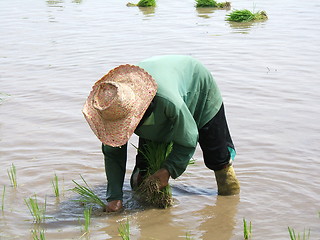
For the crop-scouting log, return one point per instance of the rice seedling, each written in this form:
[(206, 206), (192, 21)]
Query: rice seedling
[(212, 4), (192, 161), (87, 194), (87, 218), (246, 16), (124, 230), (38, 234), (247, 230), (2, 198), (188, 237), (37, 211), (55, 185), (293, 236), (12, 173), (3, 97), (143, 3), (155, 154)]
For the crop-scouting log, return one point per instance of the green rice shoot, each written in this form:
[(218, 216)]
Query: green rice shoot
[(12, 174), (55, 185), (212, 4), (143, 3), (155, 154), (246, 16), (247, 230), (2, 198), (188, 237), (38, 234), (304, 236), (192, 161), (87, 218), (3, 97), (87, 194), (124, 230), (37, 211)]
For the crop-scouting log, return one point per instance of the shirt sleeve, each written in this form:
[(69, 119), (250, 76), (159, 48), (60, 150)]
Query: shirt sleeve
[(185, 138), (115, 165)]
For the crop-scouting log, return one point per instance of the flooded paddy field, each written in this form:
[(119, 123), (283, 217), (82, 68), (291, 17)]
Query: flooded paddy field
[(53, 51)]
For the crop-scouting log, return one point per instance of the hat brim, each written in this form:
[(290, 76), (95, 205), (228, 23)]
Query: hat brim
[(117, 133)]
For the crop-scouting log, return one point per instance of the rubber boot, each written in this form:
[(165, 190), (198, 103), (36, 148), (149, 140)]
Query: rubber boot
[(227, 181)]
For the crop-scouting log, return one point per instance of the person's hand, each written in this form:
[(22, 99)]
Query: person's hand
[(162, 175), (114, 206)]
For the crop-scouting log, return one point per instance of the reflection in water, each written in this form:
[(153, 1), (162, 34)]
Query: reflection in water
[(147, 11), (59, 3), (187, 190), (71, 208), (155, 224), (204, 12), (55, 3), (211, 222), (220, 219), (241, 27)]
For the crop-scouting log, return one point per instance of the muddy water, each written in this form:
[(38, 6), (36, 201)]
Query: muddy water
[(52, 52)]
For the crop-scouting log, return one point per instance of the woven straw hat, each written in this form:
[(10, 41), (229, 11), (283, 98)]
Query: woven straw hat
[(117, 103)]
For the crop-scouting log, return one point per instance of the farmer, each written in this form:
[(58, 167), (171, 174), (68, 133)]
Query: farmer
[(164, 99)]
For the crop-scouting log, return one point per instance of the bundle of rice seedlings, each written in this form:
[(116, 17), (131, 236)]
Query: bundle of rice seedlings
[(88, 196), (146, 3), (155, 154), (212, 4), (143, 3), (246, 16)]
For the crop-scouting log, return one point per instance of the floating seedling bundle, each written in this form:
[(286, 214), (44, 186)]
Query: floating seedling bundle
[(212, 4), (246, 16), (155, 154), (143, 3)]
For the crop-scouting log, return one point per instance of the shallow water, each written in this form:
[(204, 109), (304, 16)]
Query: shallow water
[(53, 51)]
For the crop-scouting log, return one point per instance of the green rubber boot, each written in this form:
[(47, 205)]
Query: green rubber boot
[(227, 181)]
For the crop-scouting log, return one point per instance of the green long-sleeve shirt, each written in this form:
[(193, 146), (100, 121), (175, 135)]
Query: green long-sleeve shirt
[(187, 98)]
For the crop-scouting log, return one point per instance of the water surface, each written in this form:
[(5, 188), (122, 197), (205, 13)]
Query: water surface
[(53, 51)]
